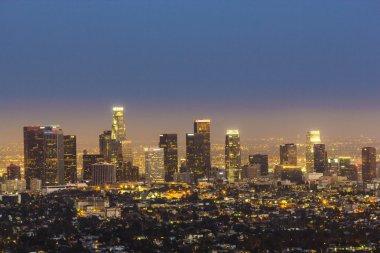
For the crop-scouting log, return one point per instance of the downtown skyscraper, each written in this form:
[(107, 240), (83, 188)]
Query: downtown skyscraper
[(154, 165), (320, 158), (312, 137), (198, 148), (115, 147), (118, 123), (44, 154), (70, 158), (368, 164), (288, 154), (168, 142), (233, 156)]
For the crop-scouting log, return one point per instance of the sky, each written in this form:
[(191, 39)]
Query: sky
[(267, 68)]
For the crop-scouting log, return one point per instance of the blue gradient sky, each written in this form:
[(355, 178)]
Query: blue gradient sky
[(265, 67)]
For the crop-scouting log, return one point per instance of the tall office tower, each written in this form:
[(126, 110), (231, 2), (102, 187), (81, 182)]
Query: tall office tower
[(44, 154), (118, 125), (198, 149), (262, 161), (312, 137), (111, 149), (13, 172), (154, 165), (320, 158), (368, 164), (233, 156), (88, 161), (168, 142), (194, 157), (288, 154), (103, 173), (203, 127), (105, 144), (70, 158), (127, 151)]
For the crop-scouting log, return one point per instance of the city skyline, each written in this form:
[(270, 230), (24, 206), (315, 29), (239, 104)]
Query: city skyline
[(189, 126)]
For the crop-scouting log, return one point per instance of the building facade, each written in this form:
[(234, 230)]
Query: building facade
[(233, 156), (312, 137), (154, 165), (320, 158), (262, 161), (368, 164), (44, 154), (88, 161), (168, 142), (70, 158), (288, 154), (103, 173)]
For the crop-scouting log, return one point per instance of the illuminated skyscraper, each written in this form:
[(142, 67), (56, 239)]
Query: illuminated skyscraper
[(118, 125), (233, 156), (312, 137), (44, 154), (368, 164), (198, 149), (262, 161), (169, 143), (288, 154), (320, 158), (154, 165), (70, 158), (88, 161)]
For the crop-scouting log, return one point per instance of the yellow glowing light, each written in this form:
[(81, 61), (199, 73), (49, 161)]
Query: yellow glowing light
[(232, 132)]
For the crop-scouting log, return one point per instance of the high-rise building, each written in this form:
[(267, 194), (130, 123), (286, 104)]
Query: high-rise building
[(320, 158), (168, 142), (288, 154), (112, 151), (198, 149), (118, 125), (13, 172), (44, 154), (262, 161), (194, 158), (312, 137), (333, 166), (103, 173), (70, 158), (154, 165), (88, 161), (203, 127), (368, 164), (105, 145), (127, 151), (233, 156)]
